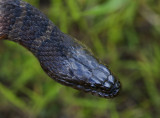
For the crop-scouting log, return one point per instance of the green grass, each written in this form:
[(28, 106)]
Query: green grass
[(121, 33)]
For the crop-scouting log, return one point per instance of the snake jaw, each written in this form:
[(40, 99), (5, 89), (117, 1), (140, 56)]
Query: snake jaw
[(101, 91), (107, 89)]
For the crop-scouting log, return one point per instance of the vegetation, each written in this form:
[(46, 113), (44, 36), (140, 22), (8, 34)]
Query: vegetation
[(124, 34)]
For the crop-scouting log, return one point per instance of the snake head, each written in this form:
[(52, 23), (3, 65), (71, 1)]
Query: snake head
[(70, 63), (92, 76)]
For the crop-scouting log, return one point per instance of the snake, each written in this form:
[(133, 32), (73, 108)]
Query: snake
[(61, 56)]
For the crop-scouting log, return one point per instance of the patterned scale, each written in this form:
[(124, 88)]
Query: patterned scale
[(61, 56)]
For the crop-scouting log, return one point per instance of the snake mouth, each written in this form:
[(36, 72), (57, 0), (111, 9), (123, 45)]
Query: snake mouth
[(97, 90), (107, 92)]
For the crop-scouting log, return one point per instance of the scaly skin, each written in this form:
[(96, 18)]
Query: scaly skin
[(62, 57)]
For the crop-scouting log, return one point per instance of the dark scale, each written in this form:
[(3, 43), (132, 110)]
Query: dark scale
[(62, 57)]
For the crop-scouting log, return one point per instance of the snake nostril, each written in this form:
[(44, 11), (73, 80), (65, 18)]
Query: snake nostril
[(117, 85)]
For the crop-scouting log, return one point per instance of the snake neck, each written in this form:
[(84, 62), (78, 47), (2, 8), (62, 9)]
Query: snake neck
[(20, 22)]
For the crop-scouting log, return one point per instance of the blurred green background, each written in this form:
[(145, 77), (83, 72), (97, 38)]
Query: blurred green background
[(124, 34)]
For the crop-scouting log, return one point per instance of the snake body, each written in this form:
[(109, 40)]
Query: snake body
[(61, 56)]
